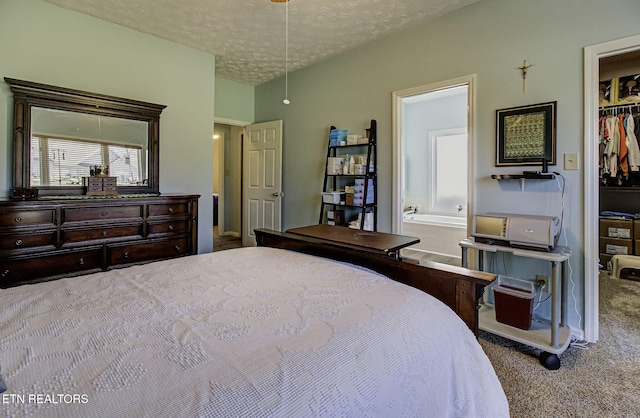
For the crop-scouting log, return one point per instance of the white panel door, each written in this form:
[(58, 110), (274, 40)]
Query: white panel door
[(261, 179)]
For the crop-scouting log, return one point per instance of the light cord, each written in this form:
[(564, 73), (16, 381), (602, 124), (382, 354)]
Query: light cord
[(286, 54)]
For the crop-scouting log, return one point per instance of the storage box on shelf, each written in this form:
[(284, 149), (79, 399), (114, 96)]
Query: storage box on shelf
[(636, 236), (616, 238), (335, 217), (335, 165), (360, 192), (334, 198), (337, 137)]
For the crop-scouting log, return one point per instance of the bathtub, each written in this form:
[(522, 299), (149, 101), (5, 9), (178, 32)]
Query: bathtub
[(438, 234), (429, 219)]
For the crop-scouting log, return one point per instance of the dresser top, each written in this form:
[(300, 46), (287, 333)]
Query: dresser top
[(84, 198)]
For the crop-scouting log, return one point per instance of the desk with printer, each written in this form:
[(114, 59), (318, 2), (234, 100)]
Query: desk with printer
[(533, 237)]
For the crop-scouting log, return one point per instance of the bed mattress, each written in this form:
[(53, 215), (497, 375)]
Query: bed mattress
[(248, 332)]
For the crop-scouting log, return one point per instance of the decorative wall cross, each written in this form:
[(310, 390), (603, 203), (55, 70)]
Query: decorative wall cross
[(524, 69)]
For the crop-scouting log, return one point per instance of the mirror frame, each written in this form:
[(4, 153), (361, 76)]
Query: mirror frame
[(27, 94)]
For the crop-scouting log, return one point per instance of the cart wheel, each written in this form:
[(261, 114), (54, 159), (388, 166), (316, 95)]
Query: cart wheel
[(549, 361)]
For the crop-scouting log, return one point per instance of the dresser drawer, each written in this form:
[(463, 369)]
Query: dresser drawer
[(147, 251), (99, 213), (23, 269), (27, 217), (80, 235), (170, 227), (169, 209), (25, 241)]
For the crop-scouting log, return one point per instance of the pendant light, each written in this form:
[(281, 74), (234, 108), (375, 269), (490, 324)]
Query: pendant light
[(286, 50)]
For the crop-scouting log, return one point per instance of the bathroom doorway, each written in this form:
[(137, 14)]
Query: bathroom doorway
[(432, 156)]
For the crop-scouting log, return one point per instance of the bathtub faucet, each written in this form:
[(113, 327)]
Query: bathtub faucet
[(410, 210)]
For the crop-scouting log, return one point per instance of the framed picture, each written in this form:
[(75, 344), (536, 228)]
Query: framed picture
[(526, 135)]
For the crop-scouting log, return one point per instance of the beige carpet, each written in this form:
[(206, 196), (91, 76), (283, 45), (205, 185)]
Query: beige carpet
[(602, 381)]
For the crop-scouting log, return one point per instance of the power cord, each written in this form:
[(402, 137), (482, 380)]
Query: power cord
[(566, 243), (579, 344), (539, 285)]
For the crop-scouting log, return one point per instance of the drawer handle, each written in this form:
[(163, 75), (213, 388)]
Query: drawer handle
[(170, 210), (126, 254), (18, 219), (81, 261), (5, 273), (103, 233), (177, 247), (170, 227), (18, 243), (105, 213)]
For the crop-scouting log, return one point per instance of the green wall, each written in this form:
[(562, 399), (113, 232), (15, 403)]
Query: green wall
[(489, 38), (234, 102), (47, 44)]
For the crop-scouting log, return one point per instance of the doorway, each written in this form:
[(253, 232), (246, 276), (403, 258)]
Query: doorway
[(433, 167), (592, 56), (261, 179), (227, 176)]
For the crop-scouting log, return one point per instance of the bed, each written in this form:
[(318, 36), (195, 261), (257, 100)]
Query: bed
[(248, 332)]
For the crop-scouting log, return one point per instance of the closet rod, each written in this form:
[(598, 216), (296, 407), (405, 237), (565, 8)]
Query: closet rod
[(621, 107)]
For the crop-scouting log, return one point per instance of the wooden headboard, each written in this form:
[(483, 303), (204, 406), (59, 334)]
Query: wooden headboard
[(458, 287)]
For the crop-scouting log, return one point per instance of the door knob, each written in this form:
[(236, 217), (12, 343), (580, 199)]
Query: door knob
[(278, 194)]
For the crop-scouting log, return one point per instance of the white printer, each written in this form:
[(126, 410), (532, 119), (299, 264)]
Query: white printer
[(525, 231)]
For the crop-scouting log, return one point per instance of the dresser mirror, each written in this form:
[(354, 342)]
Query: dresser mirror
[(62, 135)]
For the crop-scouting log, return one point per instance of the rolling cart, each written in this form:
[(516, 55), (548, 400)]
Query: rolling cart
[(553, 339)]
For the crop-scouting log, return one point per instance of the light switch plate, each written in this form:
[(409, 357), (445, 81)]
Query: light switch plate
[(571, 161)]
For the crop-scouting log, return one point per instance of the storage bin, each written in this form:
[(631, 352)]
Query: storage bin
[(335, 165), (616, 228), (337, 135), (616, 246), (352, 139), (349, 199), (335, 217), (513, 301), (332, 197)]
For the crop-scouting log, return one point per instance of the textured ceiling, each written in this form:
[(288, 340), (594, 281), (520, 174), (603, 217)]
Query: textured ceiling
[(248, 36)]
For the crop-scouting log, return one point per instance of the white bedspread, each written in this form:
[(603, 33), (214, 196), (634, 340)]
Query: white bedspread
[(247, 332)]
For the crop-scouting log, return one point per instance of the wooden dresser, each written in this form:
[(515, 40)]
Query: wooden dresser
[(49, 238)]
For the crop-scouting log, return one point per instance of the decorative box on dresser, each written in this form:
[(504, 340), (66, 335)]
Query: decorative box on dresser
[(100, 185), (49, 238)]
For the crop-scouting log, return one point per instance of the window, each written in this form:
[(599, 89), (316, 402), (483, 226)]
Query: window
[(63, 161), (447, 186)]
